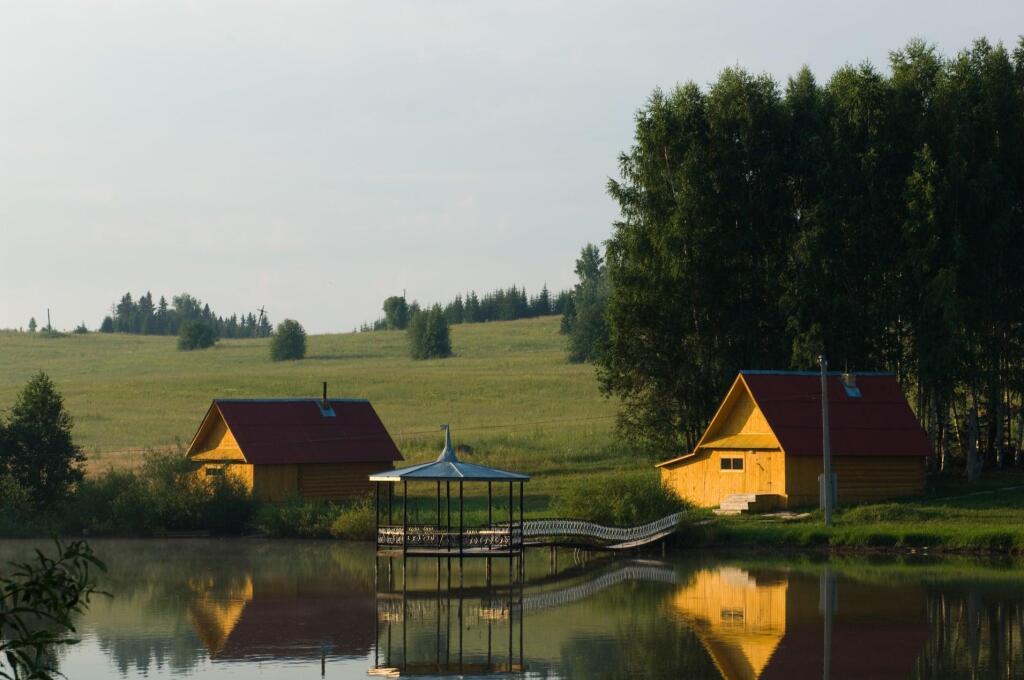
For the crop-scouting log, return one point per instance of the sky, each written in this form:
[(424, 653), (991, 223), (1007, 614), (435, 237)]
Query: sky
[(317, 157)]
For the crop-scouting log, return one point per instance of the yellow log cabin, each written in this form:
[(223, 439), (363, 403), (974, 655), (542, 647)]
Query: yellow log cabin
[(285, 448), (763, 447)]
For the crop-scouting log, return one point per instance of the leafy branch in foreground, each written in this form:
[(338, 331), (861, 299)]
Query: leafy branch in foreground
[(37, 603)]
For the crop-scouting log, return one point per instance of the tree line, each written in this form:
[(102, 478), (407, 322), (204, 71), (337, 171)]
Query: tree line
[(875, 218), (503, 304), (144, 317)]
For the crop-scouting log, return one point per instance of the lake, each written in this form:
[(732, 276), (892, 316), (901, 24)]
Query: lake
[(266, 609)]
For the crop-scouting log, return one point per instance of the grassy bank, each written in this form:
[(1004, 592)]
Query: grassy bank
[(951, 518)]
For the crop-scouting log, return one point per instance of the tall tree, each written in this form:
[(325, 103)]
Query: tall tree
[(289, 342), (396, 312), (584, 320), (429, 334), (876, 218), (36, 447)]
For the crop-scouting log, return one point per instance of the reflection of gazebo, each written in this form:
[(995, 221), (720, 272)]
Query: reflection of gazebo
[(442, 539)]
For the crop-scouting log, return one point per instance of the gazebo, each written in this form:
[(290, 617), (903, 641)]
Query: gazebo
[(444, 539)]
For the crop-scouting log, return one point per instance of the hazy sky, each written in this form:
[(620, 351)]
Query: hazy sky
[(317, 157)]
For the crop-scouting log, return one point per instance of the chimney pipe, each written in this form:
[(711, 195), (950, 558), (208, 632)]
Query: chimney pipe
[(325, 394)]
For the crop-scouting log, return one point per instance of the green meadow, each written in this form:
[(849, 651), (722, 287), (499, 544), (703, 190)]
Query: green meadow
[(511, 398), (508, 393)]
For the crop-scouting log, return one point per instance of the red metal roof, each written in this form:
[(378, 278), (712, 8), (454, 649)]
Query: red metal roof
[(877, 423), (279, 431)]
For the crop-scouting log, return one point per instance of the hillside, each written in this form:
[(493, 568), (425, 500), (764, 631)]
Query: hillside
[(508, 393)]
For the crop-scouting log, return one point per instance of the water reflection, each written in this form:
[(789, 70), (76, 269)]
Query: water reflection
[(771, 624), (252, 608), (445, 631)]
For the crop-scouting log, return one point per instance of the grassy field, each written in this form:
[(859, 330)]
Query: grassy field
[(508, 393)]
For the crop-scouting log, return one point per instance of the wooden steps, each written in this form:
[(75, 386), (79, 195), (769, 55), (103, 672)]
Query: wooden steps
[(737, 503)]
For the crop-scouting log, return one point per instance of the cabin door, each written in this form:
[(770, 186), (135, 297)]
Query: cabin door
[(761, 470), (732, 473)]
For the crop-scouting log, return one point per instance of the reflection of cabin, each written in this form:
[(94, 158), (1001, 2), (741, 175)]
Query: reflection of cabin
[(769, 625), (765, 442), (739, 621), (281, 448), (283, 618)]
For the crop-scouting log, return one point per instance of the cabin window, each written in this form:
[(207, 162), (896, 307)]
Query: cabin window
[(214, 472), (732, 616), (732, 463)]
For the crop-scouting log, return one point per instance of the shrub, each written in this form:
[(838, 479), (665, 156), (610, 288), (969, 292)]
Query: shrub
[(163, 495), (228, 507), (297, 518), (623, 500), (17, 517), (289, 341), (195, 335), (112, 503), (887, 512), (356, 522)]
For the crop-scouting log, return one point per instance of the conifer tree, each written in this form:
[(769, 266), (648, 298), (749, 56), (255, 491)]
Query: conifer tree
[(36, 446)]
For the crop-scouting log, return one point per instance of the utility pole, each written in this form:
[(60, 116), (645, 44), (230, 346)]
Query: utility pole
[(826, 445)]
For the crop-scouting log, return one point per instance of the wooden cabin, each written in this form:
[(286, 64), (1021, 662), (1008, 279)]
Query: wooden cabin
[(288, 448), (763, 447)]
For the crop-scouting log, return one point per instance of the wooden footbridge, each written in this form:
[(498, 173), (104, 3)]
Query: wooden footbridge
[(574, 533)]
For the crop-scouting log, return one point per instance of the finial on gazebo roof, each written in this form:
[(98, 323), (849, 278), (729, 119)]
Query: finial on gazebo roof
[(448, 453)]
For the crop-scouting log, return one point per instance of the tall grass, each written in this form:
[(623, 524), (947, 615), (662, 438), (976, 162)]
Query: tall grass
[(623, 500)]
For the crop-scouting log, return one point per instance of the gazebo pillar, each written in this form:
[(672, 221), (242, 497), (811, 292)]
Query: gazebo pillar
[(522, 536), (405, 520), (511, 536)]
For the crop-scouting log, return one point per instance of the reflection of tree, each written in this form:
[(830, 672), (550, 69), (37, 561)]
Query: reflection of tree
[(644, 645), (974, 632), (181, 652), (168, 595)]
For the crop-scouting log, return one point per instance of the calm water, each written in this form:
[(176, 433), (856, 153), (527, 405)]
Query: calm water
[(243, 608)]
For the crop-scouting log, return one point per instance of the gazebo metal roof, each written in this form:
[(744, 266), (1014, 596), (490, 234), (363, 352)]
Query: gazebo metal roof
[(448, 467)]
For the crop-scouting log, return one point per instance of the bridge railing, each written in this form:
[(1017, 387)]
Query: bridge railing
[(536, 528), (492, 537)]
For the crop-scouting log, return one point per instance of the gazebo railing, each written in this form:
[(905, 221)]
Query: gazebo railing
[(489, 537)]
